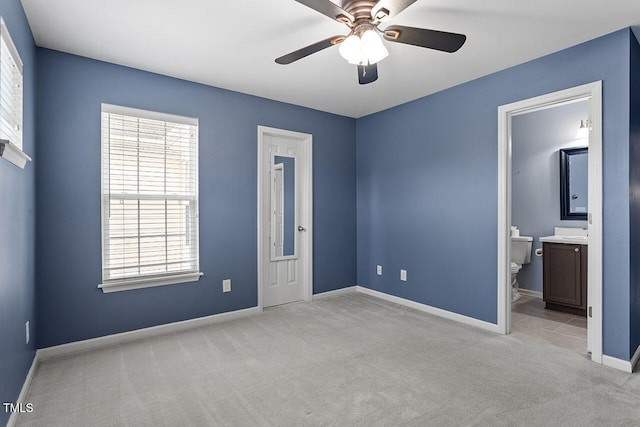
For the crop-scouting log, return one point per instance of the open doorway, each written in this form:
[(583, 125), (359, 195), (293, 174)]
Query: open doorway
[(549, 298), (591, 94)]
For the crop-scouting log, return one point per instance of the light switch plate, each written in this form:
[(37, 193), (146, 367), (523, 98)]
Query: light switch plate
[(226, 285), (26, 326), (403, 275)]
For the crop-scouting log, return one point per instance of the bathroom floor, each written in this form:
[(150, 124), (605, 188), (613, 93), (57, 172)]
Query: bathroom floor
[(529, 319)]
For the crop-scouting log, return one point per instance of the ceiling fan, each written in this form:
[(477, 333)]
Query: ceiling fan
[(363, 46)]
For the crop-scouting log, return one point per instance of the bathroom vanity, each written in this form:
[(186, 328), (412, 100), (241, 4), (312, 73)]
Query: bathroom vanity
[(564, 265)]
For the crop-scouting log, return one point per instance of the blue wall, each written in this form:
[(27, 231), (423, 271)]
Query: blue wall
[(17, 228), (536, 139), (427, 186), (634, 194), (426, 195), (70, 90)]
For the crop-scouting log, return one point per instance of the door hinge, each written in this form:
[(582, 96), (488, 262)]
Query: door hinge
[(590, 311), (590, 218)]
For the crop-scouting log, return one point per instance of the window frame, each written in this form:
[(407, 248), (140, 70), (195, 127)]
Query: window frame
[(146, 280), (11, 141)]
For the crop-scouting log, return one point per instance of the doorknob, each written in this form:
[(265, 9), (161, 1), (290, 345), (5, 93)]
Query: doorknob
[(301, 228)]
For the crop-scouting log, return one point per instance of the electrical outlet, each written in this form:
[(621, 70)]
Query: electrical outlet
[(403, 275), (226, 285), (26, 326), (379, 270)]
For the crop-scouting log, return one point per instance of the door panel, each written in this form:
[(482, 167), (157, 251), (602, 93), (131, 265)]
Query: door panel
[(284, 259)]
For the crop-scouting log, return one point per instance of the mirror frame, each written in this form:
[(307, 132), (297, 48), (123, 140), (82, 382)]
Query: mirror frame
[(565, 194), (274, 165)]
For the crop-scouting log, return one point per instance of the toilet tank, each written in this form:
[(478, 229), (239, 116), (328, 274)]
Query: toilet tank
[(521, 249)]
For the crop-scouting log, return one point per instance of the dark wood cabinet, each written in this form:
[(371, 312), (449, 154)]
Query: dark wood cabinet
[(564, 282)]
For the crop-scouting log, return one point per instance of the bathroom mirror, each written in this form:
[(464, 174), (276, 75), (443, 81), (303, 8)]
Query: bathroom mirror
[(574, 172), (283, 207)]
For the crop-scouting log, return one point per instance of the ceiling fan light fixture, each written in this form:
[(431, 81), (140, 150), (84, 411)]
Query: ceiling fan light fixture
[(372, 47), (363, 49), (364, 45), (350, 49)]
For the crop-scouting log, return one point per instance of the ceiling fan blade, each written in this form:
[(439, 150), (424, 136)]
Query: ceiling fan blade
[(367, 73), (308, 50), (386, 9), (327, 8), (431, 39)]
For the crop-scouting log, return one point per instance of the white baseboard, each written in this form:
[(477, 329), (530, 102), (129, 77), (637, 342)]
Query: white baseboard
[(536, 294), (615, 363), (622, 365), (329, 294), (431, 310), (95, 343), (25, 389), (612, 362)]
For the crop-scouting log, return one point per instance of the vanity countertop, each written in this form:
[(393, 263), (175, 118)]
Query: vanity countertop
[(573, 240), (570, 235)]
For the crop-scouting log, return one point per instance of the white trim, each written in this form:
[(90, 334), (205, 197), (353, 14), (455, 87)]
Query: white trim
[(25, 388), (148, 114), (13, 153), (491, 327), (278, 208), (615, 363), (334, 293), (635, 359), (305, 156), (622, 365), (148, 282), (536, 294), (595, 255), (138, 334), (504, 222), (593, 92), (142, 281)]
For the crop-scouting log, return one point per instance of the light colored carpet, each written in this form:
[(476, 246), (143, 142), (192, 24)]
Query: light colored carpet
[(350, 360)]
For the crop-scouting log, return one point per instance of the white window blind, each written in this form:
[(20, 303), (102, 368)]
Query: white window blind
[(149, 198), (10, 89)]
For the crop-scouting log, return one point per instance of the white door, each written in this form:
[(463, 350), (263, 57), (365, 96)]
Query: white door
[(284, 216)]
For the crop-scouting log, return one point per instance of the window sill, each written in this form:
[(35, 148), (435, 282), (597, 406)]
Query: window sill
[(12, 153), (148, 282)]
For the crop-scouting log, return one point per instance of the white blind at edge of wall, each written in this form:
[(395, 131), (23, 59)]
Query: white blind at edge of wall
[(10, 89)]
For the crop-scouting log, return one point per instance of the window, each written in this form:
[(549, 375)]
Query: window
[(149, 199), (10, 100)]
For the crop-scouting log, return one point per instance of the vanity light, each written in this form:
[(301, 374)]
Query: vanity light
[(583, 130)]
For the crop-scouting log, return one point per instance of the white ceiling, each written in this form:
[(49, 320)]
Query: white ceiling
[(233, 44)]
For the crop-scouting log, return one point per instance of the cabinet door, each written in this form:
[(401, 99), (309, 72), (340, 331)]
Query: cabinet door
[(563, 274)]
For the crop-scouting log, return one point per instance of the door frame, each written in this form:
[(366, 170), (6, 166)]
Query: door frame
[(305, 241), (593, 93)]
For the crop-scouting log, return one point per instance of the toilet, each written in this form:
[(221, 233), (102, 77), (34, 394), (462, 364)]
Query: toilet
[(520, 254)]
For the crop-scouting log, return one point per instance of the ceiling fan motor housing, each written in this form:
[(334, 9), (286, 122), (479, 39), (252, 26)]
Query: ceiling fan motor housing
[(359, 9)]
